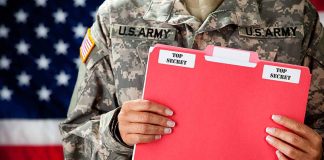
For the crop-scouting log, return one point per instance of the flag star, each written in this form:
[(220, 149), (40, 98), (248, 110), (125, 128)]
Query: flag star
[(79, 3), (5, 63), (43, 62), (4, 31), (3, 2), (77, 62), (62, 79), (44, 94), (79, 31), (61, 47), (60, 16), (5, 93), (22, 47), (41, 31), (41, 3), (24, 79), (21, 16)]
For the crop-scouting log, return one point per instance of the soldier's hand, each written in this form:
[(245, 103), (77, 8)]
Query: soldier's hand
[(142, 121), (301, 143)]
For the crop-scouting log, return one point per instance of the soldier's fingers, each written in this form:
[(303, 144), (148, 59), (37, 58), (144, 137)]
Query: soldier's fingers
[(147, 129), (147, 106), (281, 156), (286, 149), (141, 138), (290, 138), (148, 118), (297, 127)]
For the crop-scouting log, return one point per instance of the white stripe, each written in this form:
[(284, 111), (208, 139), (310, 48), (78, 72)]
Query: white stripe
[(30, 132), (87, 46), (321, 14), (86, 39), (84, 42), (89, 42), (85, 51), (82, 52)]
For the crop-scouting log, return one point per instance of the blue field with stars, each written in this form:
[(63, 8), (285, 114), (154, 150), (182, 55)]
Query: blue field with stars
[(39, 55)]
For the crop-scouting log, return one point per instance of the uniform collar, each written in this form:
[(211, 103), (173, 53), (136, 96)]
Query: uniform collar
[(239, 12)]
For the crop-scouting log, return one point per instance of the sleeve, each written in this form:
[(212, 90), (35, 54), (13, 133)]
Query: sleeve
[(315, 108), (87, 132), (314, 44)]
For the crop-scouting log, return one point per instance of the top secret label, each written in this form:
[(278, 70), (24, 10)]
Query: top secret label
[(177, 59), (281, 74)]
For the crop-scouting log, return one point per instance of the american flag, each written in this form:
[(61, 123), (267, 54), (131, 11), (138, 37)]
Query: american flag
[(39, 57)]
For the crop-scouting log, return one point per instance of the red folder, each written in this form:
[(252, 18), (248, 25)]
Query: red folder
[(223, 100)]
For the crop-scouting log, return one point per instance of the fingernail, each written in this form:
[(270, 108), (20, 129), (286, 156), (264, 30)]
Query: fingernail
[(270, 130), (269, 139), (278, 153), (170, 123), (276, 117), (158, 137), (168, 112), (167, 130)]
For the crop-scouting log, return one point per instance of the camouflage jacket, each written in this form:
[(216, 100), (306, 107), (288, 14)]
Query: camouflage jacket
[(279, 30)]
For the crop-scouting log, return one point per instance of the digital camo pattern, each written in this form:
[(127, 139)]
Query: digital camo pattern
[(279, 30)]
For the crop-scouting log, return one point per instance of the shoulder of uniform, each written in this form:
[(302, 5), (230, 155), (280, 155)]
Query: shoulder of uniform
[(91, 51), (96, 42), (118, 6), (314, 29)]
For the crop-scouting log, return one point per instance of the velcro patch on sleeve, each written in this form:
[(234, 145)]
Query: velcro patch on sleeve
[(87, 46)]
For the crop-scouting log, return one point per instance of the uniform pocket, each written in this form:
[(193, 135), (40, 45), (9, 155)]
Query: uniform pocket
[(144, 47), (288, 50), (268, 52), (143, 51)]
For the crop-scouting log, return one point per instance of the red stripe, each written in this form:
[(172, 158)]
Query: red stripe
[(84, 42), (87, 45), (319, 4), (83, 52), (31, 152)]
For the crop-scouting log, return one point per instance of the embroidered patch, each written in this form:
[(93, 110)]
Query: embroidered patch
[(139, 32), (272, 32), (87, 46)]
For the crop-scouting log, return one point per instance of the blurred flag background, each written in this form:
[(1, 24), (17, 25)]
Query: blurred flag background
[(39, 57)]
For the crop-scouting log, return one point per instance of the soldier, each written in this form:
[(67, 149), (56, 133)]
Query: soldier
[(107, 116)]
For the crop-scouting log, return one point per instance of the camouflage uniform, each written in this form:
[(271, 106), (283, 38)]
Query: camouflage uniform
[(286, 31)]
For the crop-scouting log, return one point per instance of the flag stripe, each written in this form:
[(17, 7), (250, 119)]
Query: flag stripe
[(87, 46), (29, 132), (31, 152), (321, 14), (84, 52)]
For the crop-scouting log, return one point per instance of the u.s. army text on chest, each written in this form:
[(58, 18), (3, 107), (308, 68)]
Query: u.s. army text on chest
[(138, 32)]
